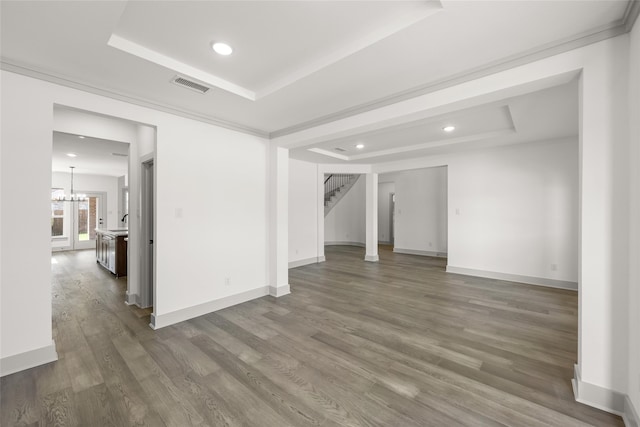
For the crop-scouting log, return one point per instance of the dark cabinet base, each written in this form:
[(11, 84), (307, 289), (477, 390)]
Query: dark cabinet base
[(111, 253)]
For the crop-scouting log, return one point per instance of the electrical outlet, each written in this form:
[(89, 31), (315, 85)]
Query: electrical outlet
[(430, 244), (296, 252), (554, 267), (227, 281)]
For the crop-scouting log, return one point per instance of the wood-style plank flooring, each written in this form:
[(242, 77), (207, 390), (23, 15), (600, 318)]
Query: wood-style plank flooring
[(395, 343)]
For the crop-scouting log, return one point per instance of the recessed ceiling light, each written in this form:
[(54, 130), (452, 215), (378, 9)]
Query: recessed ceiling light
[(449, 128), (80, 136), (360, 146), (222, 49), (72, 155)]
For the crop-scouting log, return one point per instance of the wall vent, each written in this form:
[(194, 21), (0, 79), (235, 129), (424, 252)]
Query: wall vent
[(189, 84), (340, 149)]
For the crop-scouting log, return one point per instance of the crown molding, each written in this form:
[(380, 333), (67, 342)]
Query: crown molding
[(48, 76), (617, 28), (564, 45), (631, 14)]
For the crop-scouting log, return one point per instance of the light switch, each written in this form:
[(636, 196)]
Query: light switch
[(178, 212)]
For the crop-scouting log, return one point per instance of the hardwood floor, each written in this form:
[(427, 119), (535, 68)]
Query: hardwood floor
[(394, 343)]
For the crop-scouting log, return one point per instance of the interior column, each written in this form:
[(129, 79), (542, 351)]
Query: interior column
[(278, 239), (372, 217)]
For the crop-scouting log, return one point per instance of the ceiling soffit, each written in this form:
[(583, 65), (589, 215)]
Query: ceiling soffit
[(325, 36), (471, 125)]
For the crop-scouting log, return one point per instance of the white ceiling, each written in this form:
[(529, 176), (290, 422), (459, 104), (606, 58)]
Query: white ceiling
[(542, 115), (94, 156), (304, 62)]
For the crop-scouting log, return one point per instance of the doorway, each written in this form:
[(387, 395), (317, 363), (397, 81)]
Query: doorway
[(392, 210), (88, 215), (147, 229)]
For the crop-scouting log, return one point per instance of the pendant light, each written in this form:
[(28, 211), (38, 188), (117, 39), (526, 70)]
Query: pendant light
[(73, 197)]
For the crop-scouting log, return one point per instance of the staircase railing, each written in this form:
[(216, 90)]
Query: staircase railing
[(335, 182)]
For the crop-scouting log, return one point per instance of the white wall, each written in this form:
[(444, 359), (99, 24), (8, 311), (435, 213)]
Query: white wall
[(345, 223), (210, 214), (421, 211), (303, 212), (514, 210), (208, 226), (84, 183), (385, 189), (633, 388), (25, 284), (122, 210)]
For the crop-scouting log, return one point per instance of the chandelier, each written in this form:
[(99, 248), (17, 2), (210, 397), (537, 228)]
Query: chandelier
[(74, 197)]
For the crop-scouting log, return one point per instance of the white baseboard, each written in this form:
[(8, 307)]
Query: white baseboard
[(382, 242), (630, 415), (162, 320), (596, 396), (421, 253), (279, 291), (131, 299), (321, 258), (372, 258), (360, 244), (28, 359), (540, 281), (307, 261)]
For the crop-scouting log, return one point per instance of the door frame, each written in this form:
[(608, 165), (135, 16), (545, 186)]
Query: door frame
[(102, 205), (147, 234), (392, 219)]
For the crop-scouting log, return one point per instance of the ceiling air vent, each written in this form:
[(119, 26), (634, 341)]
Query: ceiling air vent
[(340, 149), (189, 84)]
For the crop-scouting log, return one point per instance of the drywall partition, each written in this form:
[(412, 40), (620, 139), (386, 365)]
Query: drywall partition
[(201, 234), (604, 218), (632, 405), (211, 200), (514, 211), (25, 316), (421, 212), (84, 183), (345, 223), (303, 213), (385, 190)]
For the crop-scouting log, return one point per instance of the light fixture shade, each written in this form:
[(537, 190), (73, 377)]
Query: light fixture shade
[(74, 197)]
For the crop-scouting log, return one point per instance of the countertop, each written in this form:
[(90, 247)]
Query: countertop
[(113, 231)]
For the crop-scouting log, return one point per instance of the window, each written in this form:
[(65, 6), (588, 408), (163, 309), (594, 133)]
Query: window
[(57, 213)]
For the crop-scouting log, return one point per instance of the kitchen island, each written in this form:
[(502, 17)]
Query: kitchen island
[(111, 249)]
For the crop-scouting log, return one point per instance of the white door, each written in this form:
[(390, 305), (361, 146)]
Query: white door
[(87, 216)]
